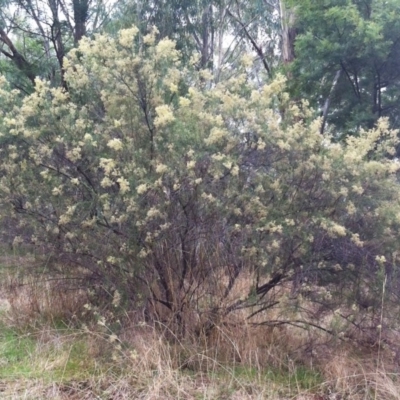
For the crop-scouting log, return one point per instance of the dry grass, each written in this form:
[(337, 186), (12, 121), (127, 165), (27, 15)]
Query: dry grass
[(48, 354)]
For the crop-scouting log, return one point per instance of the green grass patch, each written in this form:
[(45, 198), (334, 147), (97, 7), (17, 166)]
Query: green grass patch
[(57, 355), (293, 379), (15, 354)]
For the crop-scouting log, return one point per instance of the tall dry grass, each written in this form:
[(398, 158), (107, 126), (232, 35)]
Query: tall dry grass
[(137, 359)]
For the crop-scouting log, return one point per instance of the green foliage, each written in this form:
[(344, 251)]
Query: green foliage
[(220, 31), (361, 39), (169, 197), (189, 23)]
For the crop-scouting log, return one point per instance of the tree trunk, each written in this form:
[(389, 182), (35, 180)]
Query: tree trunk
[(81, 13), (206, 53), (288, 32)]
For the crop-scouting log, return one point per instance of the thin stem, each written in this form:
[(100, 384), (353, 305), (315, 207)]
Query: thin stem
[(380, 332)]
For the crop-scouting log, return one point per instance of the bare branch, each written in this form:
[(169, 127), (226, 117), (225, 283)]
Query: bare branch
[(16, 57), (256, 47)]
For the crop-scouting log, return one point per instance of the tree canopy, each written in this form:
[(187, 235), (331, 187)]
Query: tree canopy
[(347, 53)]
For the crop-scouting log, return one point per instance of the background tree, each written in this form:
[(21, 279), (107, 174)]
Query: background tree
[(287, 18), (219, 31), (347, 60)]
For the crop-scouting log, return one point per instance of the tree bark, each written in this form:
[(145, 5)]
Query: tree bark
[(206, 25), (81, 13), (288, 32), (328, 101)]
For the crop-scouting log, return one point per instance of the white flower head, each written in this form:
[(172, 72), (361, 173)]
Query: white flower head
[(115, 144), (164, 115), (126, 36)]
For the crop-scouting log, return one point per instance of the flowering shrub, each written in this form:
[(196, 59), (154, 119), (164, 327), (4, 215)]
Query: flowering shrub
[(149, 179)]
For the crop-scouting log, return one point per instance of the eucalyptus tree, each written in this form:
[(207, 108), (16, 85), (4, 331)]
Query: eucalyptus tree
[(192, 24), (347, 60), (219, 31)]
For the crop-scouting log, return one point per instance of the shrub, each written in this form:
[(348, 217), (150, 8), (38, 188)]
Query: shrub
[(149, 180)]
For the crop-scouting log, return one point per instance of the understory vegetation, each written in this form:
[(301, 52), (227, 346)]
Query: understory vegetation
[(53, 344), (171, 229)]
